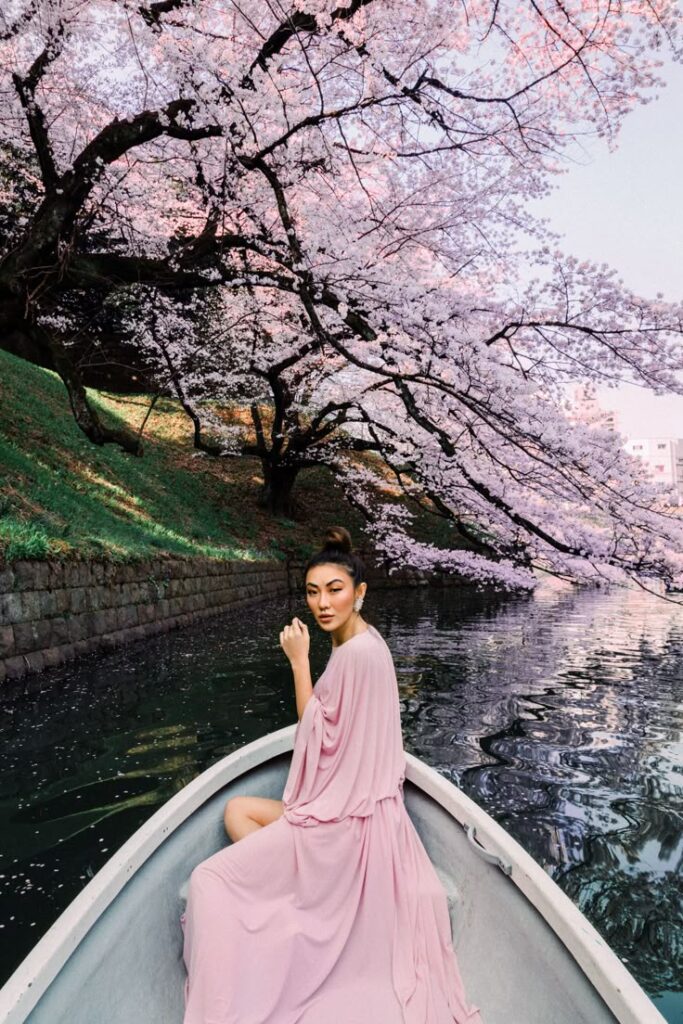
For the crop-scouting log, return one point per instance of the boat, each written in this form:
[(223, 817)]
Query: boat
[(526, 952)]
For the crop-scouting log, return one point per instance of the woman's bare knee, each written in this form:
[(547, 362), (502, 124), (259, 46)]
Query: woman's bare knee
[(234, 817), (244, 814)]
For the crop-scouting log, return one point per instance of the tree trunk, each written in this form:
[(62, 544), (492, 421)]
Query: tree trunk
[(276, 493), (41, 342)]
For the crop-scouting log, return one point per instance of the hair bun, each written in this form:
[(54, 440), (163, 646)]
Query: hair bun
[(337, 538)]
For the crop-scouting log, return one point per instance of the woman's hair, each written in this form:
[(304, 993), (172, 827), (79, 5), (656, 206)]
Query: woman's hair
[(337, 548)]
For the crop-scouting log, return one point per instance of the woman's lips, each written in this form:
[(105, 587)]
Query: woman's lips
[(326, 618)]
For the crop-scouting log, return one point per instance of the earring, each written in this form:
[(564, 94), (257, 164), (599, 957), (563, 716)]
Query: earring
[(358, 604)]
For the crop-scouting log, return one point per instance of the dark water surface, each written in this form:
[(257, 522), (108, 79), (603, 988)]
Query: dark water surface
[(560, 714)]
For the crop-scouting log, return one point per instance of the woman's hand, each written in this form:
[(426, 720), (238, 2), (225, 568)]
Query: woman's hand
[(295, 641)]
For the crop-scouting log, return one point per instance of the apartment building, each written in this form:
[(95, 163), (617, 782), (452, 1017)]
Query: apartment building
[(664, 458), (587, 409), (662, 455)]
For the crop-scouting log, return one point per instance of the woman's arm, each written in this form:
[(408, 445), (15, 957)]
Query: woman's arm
[(295, 642), (302, 683)]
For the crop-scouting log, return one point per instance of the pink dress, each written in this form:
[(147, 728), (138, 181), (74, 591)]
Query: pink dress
[(333, 913)]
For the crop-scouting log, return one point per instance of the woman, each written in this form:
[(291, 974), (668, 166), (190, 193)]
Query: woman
[(326, 907)]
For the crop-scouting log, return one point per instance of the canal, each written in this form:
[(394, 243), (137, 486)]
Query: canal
[(559, 713)]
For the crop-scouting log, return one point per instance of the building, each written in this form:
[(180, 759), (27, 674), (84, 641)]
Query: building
[(585, 408), (664, 458)]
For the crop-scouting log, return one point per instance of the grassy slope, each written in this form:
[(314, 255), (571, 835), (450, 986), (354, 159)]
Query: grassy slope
[(61, 496)]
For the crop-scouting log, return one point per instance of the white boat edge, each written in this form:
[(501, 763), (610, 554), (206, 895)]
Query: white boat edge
[(618, 988)]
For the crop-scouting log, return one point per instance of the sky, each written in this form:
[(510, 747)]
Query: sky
[(625, 208)]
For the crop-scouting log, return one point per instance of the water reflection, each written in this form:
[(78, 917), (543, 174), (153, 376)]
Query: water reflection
[(559, 713)]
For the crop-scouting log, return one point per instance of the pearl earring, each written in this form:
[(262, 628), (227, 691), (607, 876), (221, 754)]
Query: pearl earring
[(358, 604)]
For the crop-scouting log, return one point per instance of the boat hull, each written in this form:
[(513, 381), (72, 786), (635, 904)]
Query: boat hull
[(526, 954)]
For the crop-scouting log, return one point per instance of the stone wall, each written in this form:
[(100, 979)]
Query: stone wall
[(51, 612)]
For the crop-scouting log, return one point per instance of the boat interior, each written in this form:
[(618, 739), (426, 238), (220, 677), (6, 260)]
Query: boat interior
[(128, 968)]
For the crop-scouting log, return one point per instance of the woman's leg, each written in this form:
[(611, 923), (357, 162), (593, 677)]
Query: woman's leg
[(244, 814)]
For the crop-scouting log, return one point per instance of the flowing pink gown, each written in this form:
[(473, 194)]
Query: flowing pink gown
[(333, 913)]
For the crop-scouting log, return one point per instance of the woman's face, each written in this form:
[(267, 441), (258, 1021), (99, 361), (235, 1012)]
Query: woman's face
[(330, 594)]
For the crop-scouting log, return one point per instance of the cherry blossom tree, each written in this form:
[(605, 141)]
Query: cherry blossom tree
[(350, 186), (209, 351)]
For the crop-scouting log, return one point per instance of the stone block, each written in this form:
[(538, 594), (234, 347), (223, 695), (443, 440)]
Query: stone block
[(35, 661), (70, 574), (109, 641), (108, 573), (59, 631), (84, 576), (78, 628), (55, 579), (6, 641), (31, 636), (144, 613), (111, 617), (32, 604), (15, 667), (6, 580), (31, 575), (68, 652), (90, 629), (127, 617), (10, 609), (62, 600), (100, 622), (53, 657)]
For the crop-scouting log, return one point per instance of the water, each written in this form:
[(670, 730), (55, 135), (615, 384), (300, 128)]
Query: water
[(559, 713)]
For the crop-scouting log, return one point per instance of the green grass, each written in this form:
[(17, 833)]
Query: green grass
[(63, 497), (60, 495)]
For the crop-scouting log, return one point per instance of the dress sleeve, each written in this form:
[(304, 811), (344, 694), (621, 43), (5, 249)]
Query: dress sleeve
[(348, 748)]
